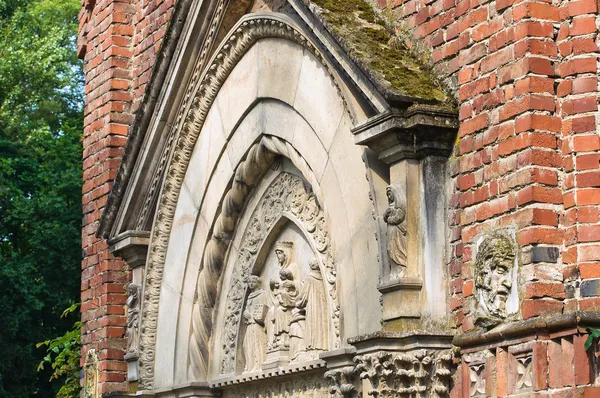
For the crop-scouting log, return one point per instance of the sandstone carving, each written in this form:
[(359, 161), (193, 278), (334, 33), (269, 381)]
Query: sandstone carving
[(494, 265), (285, 257), (424, 373), (133, 318), (417, 373), (313, 299), (286, 321), (255, 339), (343, 381), (304, 386), (395, 217), (245, 35), (91, 386)]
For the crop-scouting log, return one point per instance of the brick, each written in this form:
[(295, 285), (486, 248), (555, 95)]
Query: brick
[(554, 364), (540, 366), (531, 308)]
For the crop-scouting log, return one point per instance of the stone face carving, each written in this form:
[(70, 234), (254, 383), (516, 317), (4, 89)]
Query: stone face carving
[(91, 386), (255, 339), (245, 35), (494, 265), (395, 217), (286, 323), (133, 318)]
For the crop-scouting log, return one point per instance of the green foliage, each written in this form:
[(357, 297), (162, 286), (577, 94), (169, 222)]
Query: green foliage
[(63, 354), (594, 335), (40, 186)]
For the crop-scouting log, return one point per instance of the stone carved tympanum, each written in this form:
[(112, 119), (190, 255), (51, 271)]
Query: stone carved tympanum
[(494, 266), (300, 320), (395, 218), (133, 318), (255, 339)]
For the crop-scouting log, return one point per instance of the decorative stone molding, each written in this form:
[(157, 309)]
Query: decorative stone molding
[(244, 35), (476, 367), (311, 384), (132, 246), (412, 133), (91, 372), (286, 196), (394, 365)]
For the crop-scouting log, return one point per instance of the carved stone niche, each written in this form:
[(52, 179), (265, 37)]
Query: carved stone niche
[(415, 144), (281, 309), (132, 246), (393, 365)]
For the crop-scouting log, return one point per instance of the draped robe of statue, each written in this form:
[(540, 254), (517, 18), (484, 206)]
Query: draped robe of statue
[(255, 340), (395, 218), (313, 299)]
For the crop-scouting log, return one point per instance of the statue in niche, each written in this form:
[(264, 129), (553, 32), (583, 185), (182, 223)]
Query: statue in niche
[(285, 258), (395, 218), (313, 299), (133, 315), (494, 265), (255, 339)]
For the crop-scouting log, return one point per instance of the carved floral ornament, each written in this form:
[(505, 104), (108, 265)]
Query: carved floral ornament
[(418, 373), (287, 197), (236, 45)]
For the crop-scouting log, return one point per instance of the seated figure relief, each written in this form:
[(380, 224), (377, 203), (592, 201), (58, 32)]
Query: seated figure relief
[(292, 321), (494, 266)]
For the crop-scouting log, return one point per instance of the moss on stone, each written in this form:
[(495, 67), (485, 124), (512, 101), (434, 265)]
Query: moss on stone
[(372, 44)]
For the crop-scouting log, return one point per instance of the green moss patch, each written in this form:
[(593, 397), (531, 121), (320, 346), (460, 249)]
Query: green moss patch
[(371, 43)]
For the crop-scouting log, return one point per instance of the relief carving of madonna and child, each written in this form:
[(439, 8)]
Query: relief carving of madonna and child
[(288, 320)]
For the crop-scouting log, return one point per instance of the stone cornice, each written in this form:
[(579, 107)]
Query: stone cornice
[(526, 329)]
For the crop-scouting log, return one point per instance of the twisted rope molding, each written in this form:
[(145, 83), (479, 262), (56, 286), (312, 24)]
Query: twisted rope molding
[(242, 38)]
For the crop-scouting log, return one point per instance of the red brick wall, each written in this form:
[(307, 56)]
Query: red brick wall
[(527, 154), (118, 42)]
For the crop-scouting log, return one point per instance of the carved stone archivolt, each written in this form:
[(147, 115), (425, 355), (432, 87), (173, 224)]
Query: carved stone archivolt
[(246, 34), (299, 316), (494, 267)]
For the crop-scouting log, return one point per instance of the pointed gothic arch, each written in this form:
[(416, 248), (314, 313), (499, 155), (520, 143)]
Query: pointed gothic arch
[(323, 152)]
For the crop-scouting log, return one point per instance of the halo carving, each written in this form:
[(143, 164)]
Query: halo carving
[(286, 196), (236, 45)]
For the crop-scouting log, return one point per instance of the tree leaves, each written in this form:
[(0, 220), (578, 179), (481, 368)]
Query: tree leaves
[(40, 185), (593, 334)]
